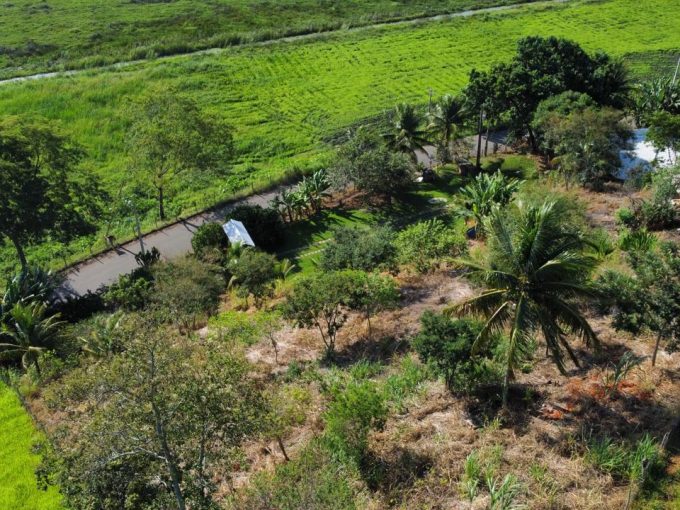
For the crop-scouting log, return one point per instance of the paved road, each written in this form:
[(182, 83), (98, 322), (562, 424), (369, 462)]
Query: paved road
[(172, 241)]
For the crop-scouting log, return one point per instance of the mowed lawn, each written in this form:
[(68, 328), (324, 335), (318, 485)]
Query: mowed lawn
[(38, 36), (285, 100), (18, 486)]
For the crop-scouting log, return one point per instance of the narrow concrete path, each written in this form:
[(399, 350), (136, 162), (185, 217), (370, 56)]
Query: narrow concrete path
[(303, 37), (172, 241)]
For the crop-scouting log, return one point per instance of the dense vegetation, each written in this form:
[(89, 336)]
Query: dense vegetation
[(448, 340), (281, 119)]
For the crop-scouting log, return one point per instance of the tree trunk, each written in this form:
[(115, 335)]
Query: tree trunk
[(486, 141), (20, 253), (169, 460), (479, 140), (161, 205), (506, 384), (656, 346), (282, 448), (532, 139)]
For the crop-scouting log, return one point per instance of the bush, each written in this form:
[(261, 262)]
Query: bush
[(254, 273), (425, 243), (637, 240), (185, 289), (264, 225), (446, 344), (209, 237), (355, 410), (359, 248), (131, 291), (625, 461)]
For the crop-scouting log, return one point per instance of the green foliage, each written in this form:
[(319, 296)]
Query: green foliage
[(208, 239), (167, 409), (264, 225), (660, 94), (386, 66), (316, 478), (504, 496), (487, 192), (426, 243), (354, 247), (131, 291), (254, 273), (42, 192), (537, 267), (626, 461), (32, 284), (407, 132), (356, 409), (640, 240), (18, 438), (102, 336), (322, 300), (367, 163), (242, 327), (399, 386), (171, 137), (587, 143), (447, 344), (185, 289), (551, 111), (657, 212), (664, 133)]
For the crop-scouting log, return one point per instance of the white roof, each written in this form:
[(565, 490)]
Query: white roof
[(642, 155), (237, 233)]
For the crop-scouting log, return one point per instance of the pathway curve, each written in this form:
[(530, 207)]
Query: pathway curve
[(172, 241), (217, 51)]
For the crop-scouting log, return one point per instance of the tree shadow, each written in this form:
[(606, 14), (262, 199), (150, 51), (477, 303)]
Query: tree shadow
[(392, 473), (485, 405), (368, 349)]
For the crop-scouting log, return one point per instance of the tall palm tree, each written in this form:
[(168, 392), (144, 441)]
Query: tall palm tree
[(407, 134), (29, 333), (446, 116), (536, 271)]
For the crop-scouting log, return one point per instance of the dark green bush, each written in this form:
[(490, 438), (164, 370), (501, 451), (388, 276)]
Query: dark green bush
[(209, 237), (264, 225), (254, 273), (359, 248), (131, 291), (446, 344)]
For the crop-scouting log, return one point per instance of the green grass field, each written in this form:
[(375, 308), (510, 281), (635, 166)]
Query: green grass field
[(18, 486), (286, 100), (45, 35)]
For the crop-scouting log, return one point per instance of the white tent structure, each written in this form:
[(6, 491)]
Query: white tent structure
[(237, 233), (642, 156)]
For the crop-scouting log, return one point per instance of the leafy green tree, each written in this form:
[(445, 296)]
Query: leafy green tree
[(536, 272), (378, 292), (664, 133), (424, 244), (322, 300), (446, 117), (29, 333), (545, 67), (550, 112), (650, 298), (588, 145), (254, 272), (367, 163), (42, 192), (407, 133), (171, 137), (487, 192), (155, 424), (358, 248)]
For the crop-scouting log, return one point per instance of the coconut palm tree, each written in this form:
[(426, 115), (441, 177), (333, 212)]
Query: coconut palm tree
[(29, 333), (536, 271), (446, 116), (407, 134)]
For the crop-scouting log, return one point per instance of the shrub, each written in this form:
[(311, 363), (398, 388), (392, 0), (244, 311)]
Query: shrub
[(358, 248), (131, 291), (446, 344), (264, 225), (208, 238), (185, 289), (623, 460), (637, 240), (355, 410), (425, 243), (254, 273)]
